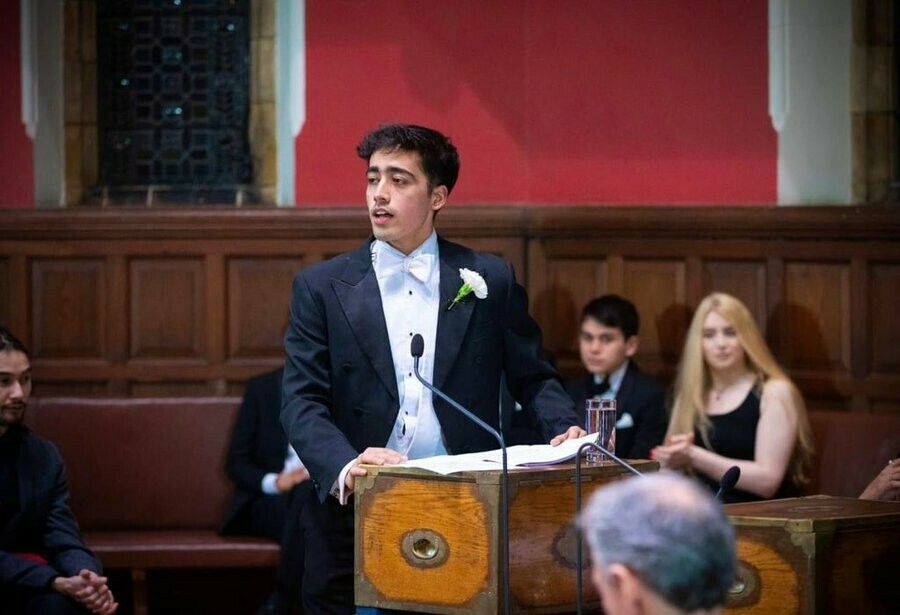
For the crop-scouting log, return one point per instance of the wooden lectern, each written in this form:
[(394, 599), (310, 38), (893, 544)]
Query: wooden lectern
[(431, 543), (817, 554)]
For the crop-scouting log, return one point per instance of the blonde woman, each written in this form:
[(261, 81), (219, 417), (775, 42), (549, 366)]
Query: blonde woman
[(734, 406)]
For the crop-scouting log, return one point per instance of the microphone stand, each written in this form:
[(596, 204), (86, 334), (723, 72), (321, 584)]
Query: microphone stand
[(579, 556), (504, 478)]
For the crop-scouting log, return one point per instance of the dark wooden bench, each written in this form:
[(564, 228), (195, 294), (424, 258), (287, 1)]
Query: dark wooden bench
[(147, 482)]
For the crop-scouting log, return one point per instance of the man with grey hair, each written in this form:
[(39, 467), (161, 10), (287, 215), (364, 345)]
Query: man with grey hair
[(659, 544)]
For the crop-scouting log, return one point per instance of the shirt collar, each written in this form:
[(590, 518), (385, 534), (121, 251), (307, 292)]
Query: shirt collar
[(615, 378), (385, 257)]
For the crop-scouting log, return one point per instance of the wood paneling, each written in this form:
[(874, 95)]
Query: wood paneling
[(194, 301), (657, 289), (68, 297), (4, 291), (817, 316), (745, 280), (167, 309), (569, 285), (882, 322), (259, 292)]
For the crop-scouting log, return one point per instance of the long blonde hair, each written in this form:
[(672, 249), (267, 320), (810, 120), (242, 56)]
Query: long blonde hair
[(693, 382)]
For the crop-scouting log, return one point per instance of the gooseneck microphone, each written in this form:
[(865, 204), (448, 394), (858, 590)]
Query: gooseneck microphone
[(417, 348), (579, 551), (728, 481)]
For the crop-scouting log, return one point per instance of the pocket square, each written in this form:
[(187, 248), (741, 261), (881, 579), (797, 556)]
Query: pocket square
[(625, 421)]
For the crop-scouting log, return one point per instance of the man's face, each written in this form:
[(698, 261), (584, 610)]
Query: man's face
[(401, 206), (604, 349), (15, 387)]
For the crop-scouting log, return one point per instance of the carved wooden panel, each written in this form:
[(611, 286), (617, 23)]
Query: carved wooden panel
[(68, 309), (882, 321), (745, 280), (259, 293), (570, 283), (511, 250), (816, 316), (657, 289), (167, 309), (4, 292)]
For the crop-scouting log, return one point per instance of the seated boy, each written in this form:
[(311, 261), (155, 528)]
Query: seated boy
[(607, 341)]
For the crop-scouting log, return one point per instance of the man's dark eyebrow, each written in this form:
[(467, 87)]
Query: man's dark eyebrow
[(27, 371), (374, 169)]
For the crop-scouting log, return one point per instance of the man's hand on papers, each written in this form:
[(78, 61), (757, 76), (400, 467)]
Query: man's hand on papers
[(573, 433), (372, 456)]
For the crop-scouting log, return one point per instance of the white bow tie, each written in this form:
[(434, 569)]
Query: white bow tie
[(419, 266)]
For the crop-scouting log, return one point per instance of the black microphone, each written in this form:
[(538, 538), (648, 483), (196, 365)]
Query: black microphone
[(729, 480), (417, 348)]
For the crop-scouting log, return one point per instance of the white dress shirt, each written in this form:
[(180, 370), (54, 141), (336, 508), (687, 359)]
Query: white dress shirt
[(410, 297), (614, 380)]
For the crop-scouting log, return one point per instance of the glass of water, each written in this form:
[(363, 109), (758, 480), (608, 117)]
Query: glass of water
[(600, 418)]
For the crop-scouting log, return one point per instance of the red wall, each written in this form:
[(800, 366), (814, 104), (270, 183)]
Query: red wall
[(549, 102), (16, 166)]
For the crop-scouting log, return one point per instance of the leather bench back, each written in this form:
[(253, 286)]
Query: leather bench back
[(142, 463), (851, 448)]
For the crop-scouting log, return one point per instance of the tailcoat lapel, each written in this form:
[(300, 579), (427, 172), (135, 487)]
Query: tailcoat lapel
[(452, 324), (360, 299)]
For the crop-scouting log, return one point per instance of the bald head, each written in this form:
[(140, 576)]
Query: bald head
[(668, 533)]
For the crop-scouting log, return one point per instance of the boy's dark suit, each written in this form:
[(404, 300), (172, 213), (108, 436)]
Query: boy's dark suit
[(639, 396), (340, 390), (42, 524)]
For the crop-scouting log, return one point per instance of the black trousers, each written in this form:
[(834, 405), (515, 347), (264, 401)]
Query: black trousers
[(328, 575), (279, 517)]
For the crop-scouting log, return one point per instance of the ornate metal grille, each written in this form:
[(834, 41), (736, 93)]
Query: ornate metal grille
[(173, 92)]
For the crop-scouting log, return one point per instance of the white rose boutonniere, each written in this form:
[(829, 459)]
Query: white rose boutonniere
[(472, 283)]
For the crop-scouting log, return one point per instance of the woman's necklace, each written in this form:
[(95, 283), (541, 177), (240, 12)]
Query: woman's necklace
[(718, 393)]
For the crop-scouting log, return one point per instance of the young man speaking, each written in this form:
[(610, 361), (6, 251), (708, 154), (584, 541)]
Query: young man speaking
[(350, 394)]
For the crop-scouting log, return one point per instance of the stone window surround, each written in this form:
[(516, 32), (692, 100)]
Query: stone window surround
[(59, 106)]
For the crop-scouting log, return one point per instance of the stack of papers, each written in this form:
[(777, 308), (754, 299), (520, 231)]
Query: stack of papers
[(522, 456)]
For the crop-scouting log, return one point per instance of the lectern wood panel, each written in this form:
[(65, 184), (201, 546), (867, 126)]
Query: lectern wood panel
[(818, 554), (432, 543)]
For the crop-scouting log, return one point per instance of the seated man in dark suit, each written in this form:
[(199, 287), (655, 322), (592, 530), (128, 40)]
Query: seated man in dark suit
[(44, 565), (607, 341), (271, 485)]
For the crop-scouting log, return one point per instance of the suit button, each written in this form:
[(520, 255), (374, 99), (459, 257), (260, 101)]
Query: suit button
[(347, 367)]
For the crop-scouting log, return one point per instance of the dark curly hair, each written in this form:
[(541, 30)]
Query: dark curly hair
[(8, 341), (440, 160)]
